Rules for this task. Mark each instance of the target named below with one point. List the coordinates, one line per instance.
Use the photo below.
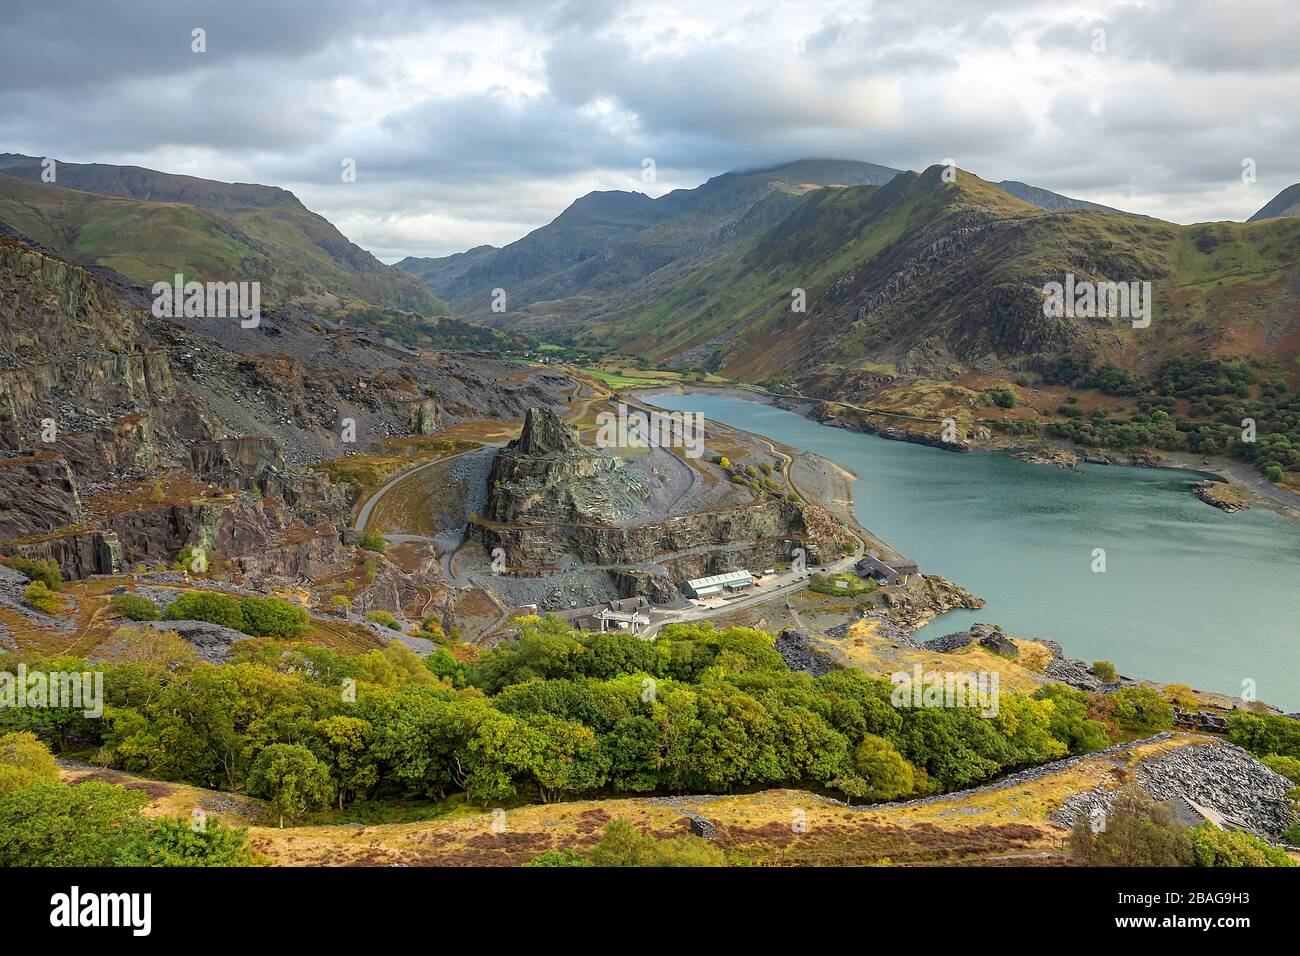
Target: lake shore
(1263, 493)
(838, 481)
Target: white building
(717, 583)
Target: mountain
(149, 225)
(1285, 203)
(1046, 199)
(940, 279)
(153, 417)
(607, 240)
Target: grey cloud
(1187, 92)
(1202, 35)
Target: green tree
(291, 778)
(1142, 710)
(1264, 734)
(346, 743)
(887, 772)
(1069, 721)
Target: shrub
(39, 596)
(51, 824)
(172, 841)
(372, 541)
(273, 617)
(207, 606)
(1215, 847)
(1142, 710)
(1104, 671)
(1288, 767)
(384, 618)
(24, 761)
(559, 858)
(45, 570)
(135, 607)
(190, 558)
(1264, 734)
(1001, 397)
(625, 845)
(1138, 831)
(1181, 696)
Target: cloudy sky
(474, 122)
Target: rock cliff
(546, 475)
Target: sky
(475, 121)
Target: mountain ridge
(221, 231)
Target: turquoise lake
(1190, 594)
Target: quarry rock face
(37, 493)
(546, 475)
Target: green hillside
(149, 226)
(608, 241)
(938, 279)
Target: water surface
(1190, 593)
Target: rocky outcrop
(423, 416)
(795, 646)
(1056, 457)
(1222, 495)
(710, 540)
(241, 461)
(212, 642)
(292, 555)
(919, 604)
(37, 493)
(547, 476)
(658, 588)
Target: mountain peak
(1285, 203)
